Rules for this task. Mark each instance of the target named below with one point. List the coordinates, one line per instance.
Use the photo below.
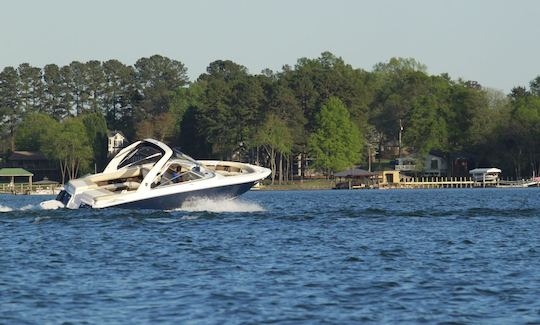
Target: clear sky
(494, 42)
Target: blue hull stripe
(174, 201)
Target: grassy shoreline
(317, 184)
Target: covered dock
(486, 176)
(356, 178)
(12, 173)
(45, 186)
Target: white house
(434, 165)
(116, 141)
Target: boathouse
(11, 174)
(486, 175)
(356, 178)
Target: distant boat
(150, 175)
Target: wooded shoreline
(319, 116)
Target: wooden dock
(457, 182)
(392, 180)
(27, 188)
(434, 182)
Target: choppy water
(403, 256)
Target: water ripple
(337, 257)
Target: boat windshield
(142, 154)
(180, 155)
(181, 168)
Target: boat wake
(220, 205)
(4, 208)
(197, 205)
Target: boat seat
(227, 170)
(228, 173)
(95, 195)
(83, 183)
(106, 192)
(122, 185)
(122, 173)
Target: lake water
(293, 257)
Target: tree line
(321, 110)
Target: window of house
(434, 164)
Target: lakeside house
(436, 164)
(34, 162)
(433, 165)
(116, 141)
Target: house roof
(355, 172)
(27, 155)
(484, 170)
(8, 172)
(46, 181)
(114, 132)
(437, 153)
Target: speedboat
(148, 174)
